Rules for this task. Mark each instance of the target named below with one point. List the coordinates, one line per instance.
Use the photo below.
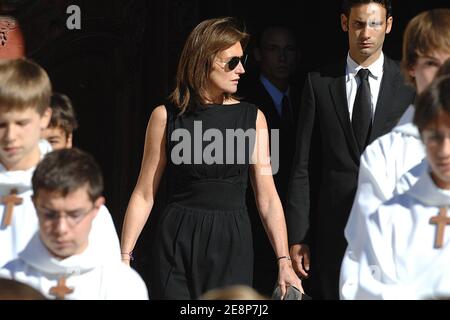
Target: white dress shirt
(352, 82)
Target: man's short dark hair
(66, 171)
(432, 102)
(347, 5)
(275, 25)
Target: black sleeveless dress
(204, 238)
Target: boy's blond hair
(24, 84)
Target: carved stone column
(12, 44)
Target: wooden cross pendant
(9, 202)
(441, 221)
(61, 290)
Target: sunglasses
(234, 62)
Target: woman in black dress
(209, 142)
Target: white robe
(15, 237)
(389, 166)
(89, 275)
(399, 259)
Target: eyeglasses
(234, 62)
(434, 138)
(72, 218)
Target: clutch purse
(292, 294)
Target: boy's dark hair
(24, 84)
(66, 171)
(432, 102)
(347, 5)
(63, 114)
(15, 290)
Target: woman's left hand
(287, 277)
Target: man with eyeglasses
(61, 260)
(406, 250)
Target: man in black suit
(344, 107)
(275, 90)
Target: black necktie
(286, 113)
(362, 111)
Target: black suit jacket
(253, 91)
(325, 168)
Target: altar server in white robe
(407, 251)
(394, 162)
(61, 260)
(25, 92)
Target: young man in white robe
(394, 162)
(61, 260)
(25, 92)
(407, 252)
